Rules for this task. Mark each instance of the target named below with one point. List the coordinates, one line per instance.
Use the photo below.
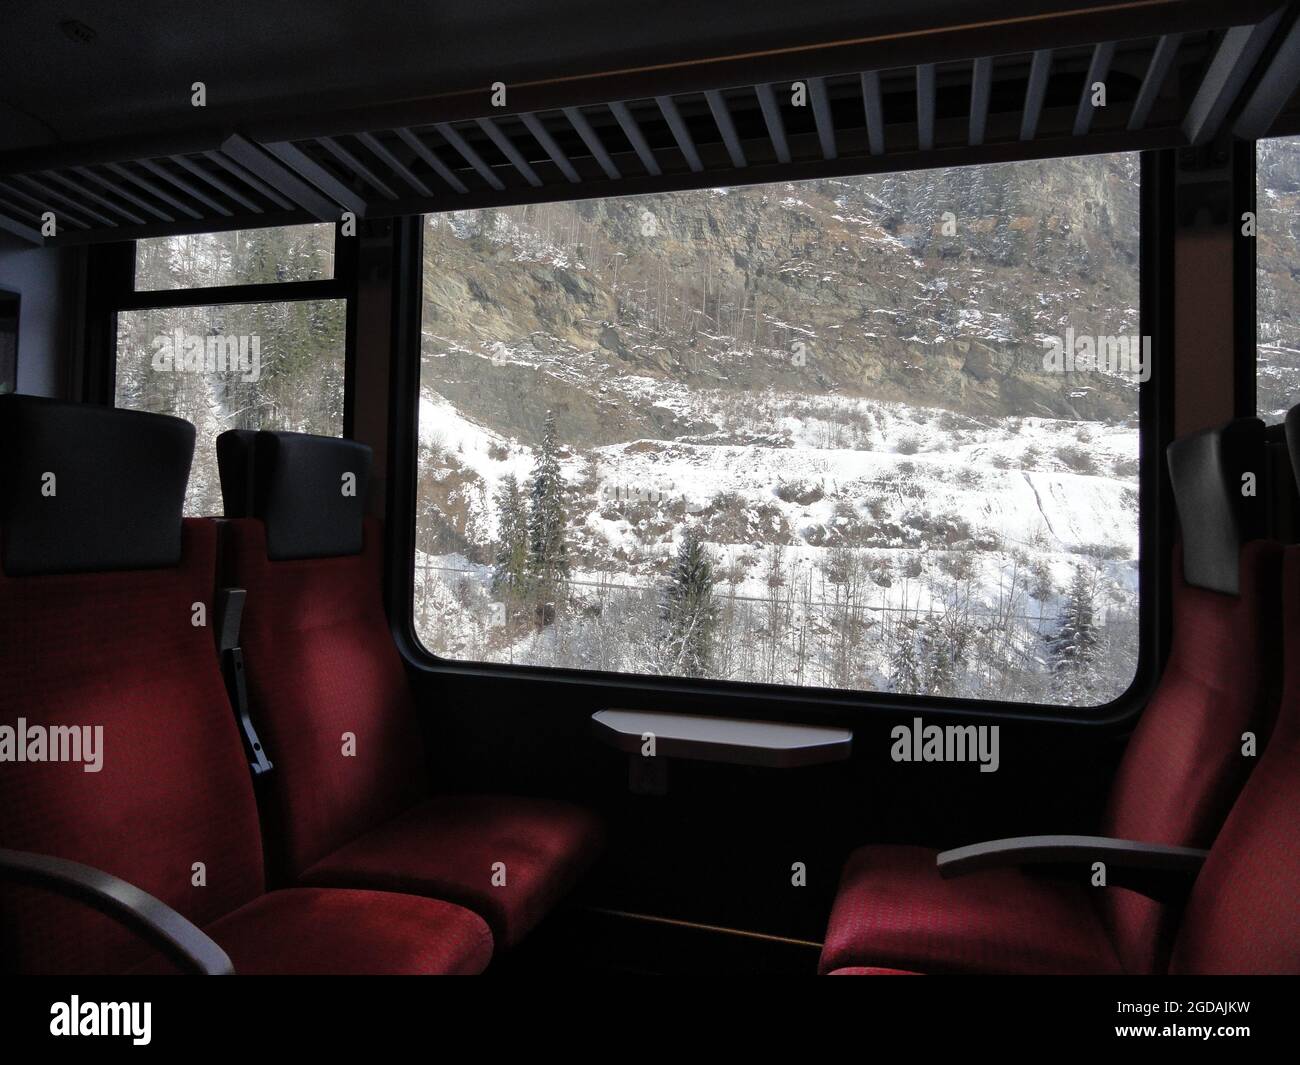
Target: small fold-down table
(714, 739)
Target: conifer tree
(548, 560)
(688, 609)
(938, 663)
(510, 565)
(904, 665)
(1075, 644)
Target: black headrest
(309, 491)
(235, 468)
(1218, 511)
(90, 488)
(1293, 440)
(1282, 500)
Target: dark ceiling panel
(597, 137)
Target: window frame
(813, 704)
(112, 267)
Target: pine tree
(688, 610)
(938, 663)
(548, 560)
(510, 565)
(1076, 643)
(904, 665)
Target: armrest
(1156, 870)
(152, 919)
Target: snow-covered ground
(944, 512)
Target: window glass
(1277, 170)
(235, 257)
(235, 366)
(874, 433)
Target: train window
(1277, 266)
(868, 433)
(236, 257)
(263, 363)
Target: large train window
(276, 361)
(869, 433)
(1277, 266)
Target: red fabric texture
(312, 932)
(1183, 766)
(1180, 773)
(1243, 916)
(894, 910)
(321, 662)
(862, 970)
(448, 847)
(118, 650)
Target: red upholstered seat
(99, 632)
(118, 649)
(320, 663)
(1180, 773)
(316, 932)
(447, 848)
(1243, 915)
(893, 910)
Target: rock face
(935, 288)
(1278, 292)
(837, 387)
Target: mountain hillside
(837, 386)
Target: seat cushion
(448, 848)
(313, 932)
(894, 910)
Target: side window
(271, 363)
(1277, 266)
(874, 433)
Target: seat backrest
(1243, 916)
(327, 689)
(100, 652)
(1184, 764)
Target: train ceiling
(1173, 75)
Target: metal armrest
(1156, 870)
(152, 919)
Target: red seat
(316, 932)
(321, 662)
(1180, 773)
(99, 631)
(446, 848)
(1243, 916)
(999, 921)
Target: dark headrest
(235, 468)
(1282, 500)
(309, 491)
(1216, 518)
(90, 488)
(1293, 440)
